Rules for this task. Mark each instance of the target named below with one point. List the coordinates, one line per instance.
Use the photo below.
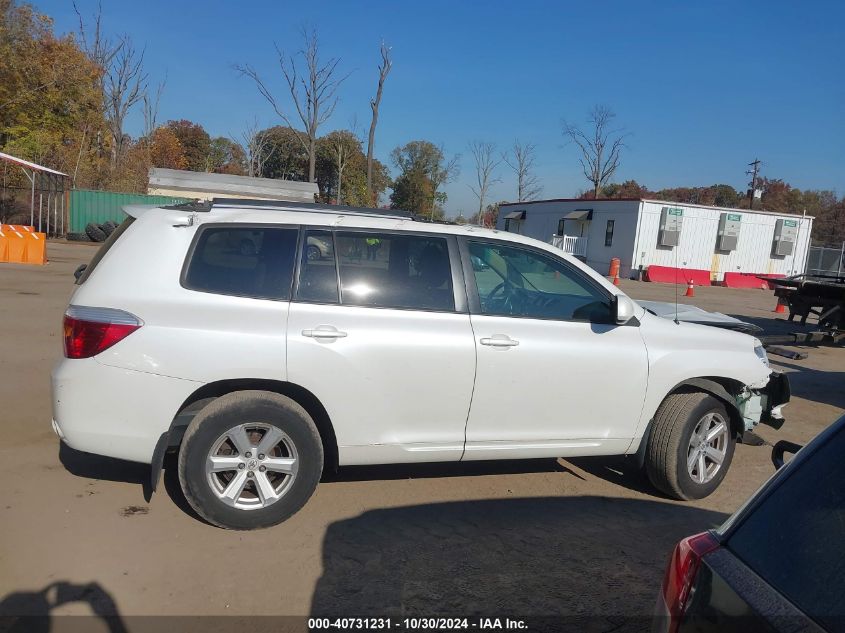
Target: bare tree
(521, 161)
(313, 88)
(485, 163)
(441, 174)
(124, 85)
(383, 72)
(123, 81)
(257, 148)
(600, 146)
(151, 108)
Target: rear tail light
(89, 331)
(681, 573)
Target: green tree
(225, 157)
(286, 155)
(423, 170)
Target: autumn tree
(312, 83)
(195, 141)
(521, 162)
(166, 149)
(49, 103)
(600, 146)
(424, 169)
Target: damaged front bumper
(775, 394)
(763, 404)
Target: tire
(249, 510)
(671, 446)
(95, 233)
(313, 253)
(78, 237)
(108, 227)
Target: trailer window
(608, 233)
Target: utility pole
(755, 169)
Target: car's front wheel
(250, 459)
(691, 445)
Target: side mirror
(79, 270)
(623, 309)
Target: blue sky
(702, 87)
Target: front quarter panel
(679, 352)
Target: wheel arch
(211, 391)
(721, 388)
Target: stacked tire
(99, 232)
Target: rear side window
(795, 540)
(386, 270)
(110, 240)
(245, 261)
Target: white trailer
(643, 233)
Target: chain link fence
(826, 261)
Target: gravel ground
(576, 538)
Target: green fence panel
(101, 206)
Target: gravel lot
(569, 538)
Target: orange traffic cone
(690, 289)
(616, 280)
(780, 308)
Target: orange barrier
(22, 245)
(20, 228)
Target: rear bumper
(776, 394)
(114, 412)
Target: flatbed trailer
(820, 295)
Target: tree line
(64, 101)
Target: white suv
(218, 332)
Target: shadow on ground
(32, 611)
(593, 557)
(93, 466)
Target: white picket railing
(571, 244)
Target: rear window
(110, 240)
(244, 261)
(795, 540)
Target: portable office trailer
(643, 233)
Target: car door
(555, 375)
(379, 332)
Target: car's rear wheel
(250, 459)
(691, 445)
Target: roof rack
(312, 207)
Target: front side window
(243, 261)
(388, 270)
(518, 282)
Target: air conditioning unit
(786, 234)
(671, 221)
(728, 236)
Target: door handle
(499, 340)
(324, 331)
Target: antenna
(675, 248)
